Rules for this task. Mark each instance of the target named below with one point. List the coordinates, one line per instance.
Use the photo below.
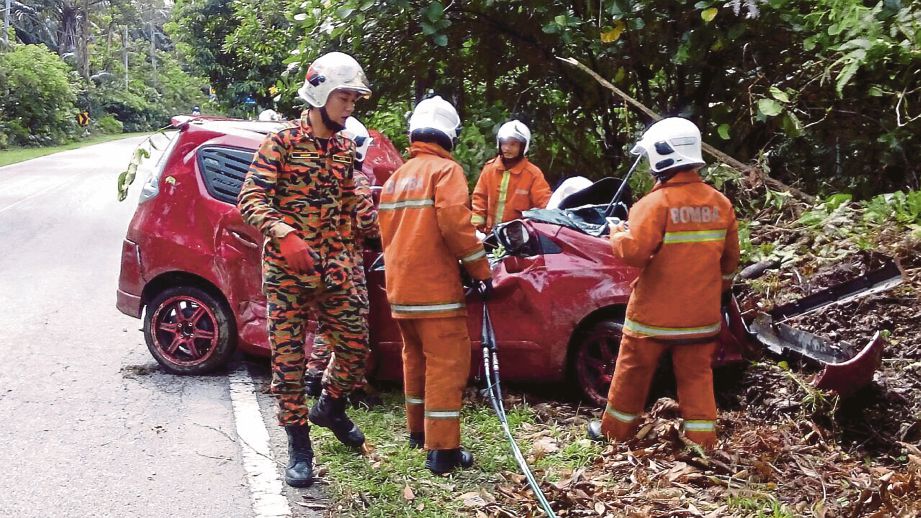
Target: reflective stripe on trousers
(671, 332)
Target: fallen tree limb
(753, 175)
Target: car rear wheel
(594, 357)
(189, 331)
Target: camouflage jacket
(294, 185)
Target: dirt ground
(786, 449)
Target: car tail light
(152, 185)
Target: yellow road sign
(83, 119)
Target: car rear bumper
(129, 304)
(130, 282)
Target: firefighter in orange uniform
(509, 184)
(427, 236)
(683, 236)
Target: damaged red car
(191, 269)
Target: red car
(192, 268)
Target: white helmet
(437, 115)
(517, 130)
(669, 144)
(269, 115)
(330, 72)
(357, 132)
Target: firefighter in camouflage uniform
(300, 193)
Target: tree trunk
(107, 65)
(83, 52)
(67, 31)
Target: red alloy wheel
(185, 331)
(190, 330)
(595, 356)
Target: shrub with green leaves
(37, 97)
(109, 124)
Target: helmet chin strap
(329, 123)
(664, 176)
(511, 162)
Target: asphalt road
(89, 425)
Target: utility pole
(6, 25)
(125, 52)
(153, 48)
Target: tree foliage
(37, 97)
(89, 47)
(826, 93)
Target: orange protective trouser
(636, 365)
(436, 364)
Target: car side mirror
(515, 237)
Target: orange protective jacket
(503, 194)
(684, 236)
(426, 231)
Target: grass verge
(20, 154)
(393, 482)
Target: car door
(237, 245)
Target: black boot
(300, 456)
(595, 433)
(330, 413)
(443, 461)
(360, 398)
(313, 384)
(416, 440)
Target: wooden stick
(750, 171)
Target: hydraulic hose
(491, 371)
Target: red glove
(296, 253)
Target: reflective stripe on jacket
(503, 194)
(684, 237)
(427, 235)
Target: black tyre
(189, 331)
(593, 356)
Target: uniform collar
(682, 177)
(428, 148)
(305, 129)
(305, 132)
(516, 169)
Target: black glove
(726, 298)
(373, 244)
(484, 288)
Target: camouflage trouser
(341, 312)
(322, 351)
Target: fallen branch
(754, 175)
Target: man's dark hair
(432, 136)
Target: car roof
(252, 130)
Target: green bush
(36, 96)
(130, 107)
(109, 124)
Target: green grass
(373, 486)
(759, 505)
(21, 154)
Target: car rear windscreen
(223, 170)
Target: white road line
(264, 484)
